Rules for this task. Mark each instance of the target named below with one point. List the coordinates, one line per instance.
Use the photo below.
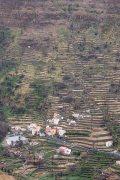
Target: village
(17, 140)
(52, 129)
(59, 90)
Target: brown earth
(4, 176)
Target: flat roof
(15, 138)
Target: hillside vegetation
(62, 56)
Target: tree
(34, 159)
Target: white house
(48, 130)
(31, 126)
(81, 116)
(72, 123)
(36, 130)
(61, 132)
(54, 121)
(75, 115)
(86, 116)
(117, 163)
(56, 115)
(109, 143)
(58, 128)
(88, 110)
(56, 118)
(64, 150)
(42, 134)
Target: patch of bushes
(68, 99)
(77, 133)
(4, 128)
(59, 86)
(76, 153)
(4, 36)
(6, 87)
(18, 110)
(41, 89)
(114, 88)
(66, 78)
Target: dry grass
(4, 176)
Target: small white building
(81, 116)
(56, 115)
(42, 134)
(34, 129)
(56, 118)
(13, 139)
(31, 126)
(64, 150)
(75, 115)
(117, 163)
(48, 130)
(54, 121)
(16, 128)
(109, 143)
(88, 110)
(86, 116)
(23, 129)
(61, 132)
(72, 123)
(58, 128)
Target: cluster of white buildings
(18, 129)
(35, 129)
(51, 129)
(55, 130)
(55, 120)
(81, 116)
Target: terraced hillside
(63, 56)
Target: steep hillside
(62, 56)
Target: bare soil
(4, 176)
